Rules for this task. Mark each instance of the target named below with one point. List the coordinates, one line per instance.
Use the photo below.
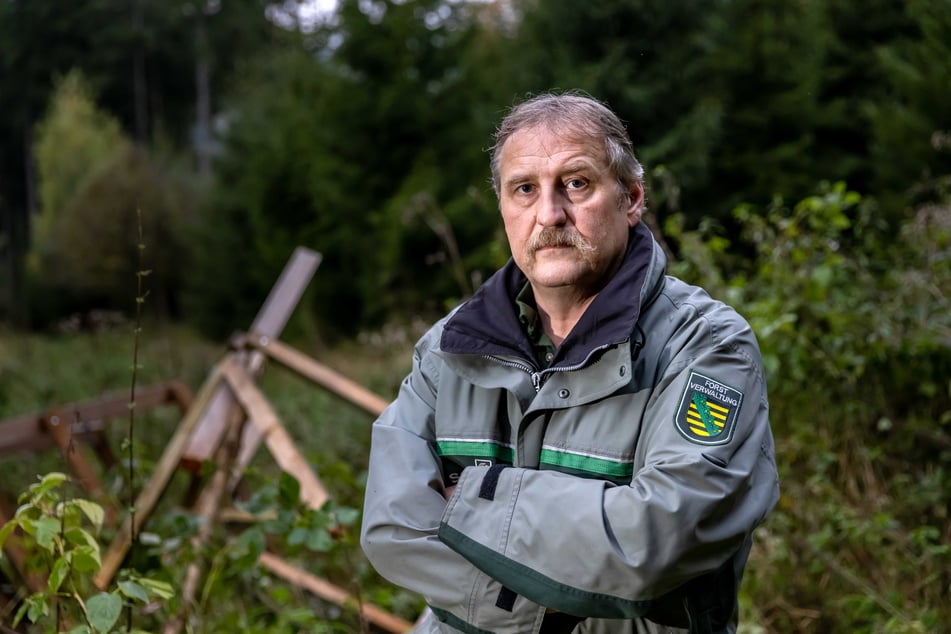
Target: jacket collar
(487, 324)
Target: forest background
(798, 161)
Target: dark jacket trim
(539, 588)
(487, 324)
(456, 622)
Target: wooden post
(57, 425)
(206, 509)
(329, 592)
(310, 369)
(319, 373)
(150, 495)
(280, 444)
(270, 320)
(29, 432)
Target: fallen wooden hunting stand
(225, 422)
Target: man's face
(565, 216)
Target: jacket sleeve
(594, 549)
(403, 504)
(404, 496)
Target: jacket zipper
(537, 377)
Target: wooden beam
(27, 432)
(318, 373)
(335, 594)
(158, 481)
(206, 511)
(72, 449)
(280, 444)
(270, 320)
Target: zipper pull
(537, 381)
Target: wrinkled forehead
(556, 136)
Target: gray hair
(578, 114)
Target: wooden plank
(263, 417)
(335, 594)
(159, 479)
(72, 450)
(27, 432)
(270, 320)
(318, 373)
(206, 511)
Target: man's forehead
(551, 142)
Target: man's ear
(634, 204)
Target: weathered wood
(279, 443)
(318, 373)
(335, 594)
(57, 426)
(27, 432)
(206, 510)
(158, 481)
(270, 320)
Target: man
(584, 444)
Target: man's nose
(552, 207)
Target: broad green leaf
(347, 516)
(248, 547)
(133, 590)
(79, 537)
(298, 536)
(58, 574)
(288, 490)
(48, 482)
(28, 524)
(5, 531)
(80, 629)
(92, 510)
(86, 559)
(319, 540)
(160, 589)
(27, 510)
(33, 607)
(68, 514)
(47, 528)
(103, 611)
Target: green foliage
(103, 219)
(337, 152)
(94, 185)
(240, 594)
(854, 326)
(74, 139)
(300, 528)
(55, 532)
(912, 121)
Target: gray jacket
(615, 491)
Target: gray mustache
(554, 237)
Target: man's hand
(447, 493)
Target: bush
(854, 324)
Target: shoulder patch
(708, 410)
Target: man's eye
(524, 188)
(576, 183)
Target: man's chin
(555, 276)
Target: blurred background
(798, 159)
